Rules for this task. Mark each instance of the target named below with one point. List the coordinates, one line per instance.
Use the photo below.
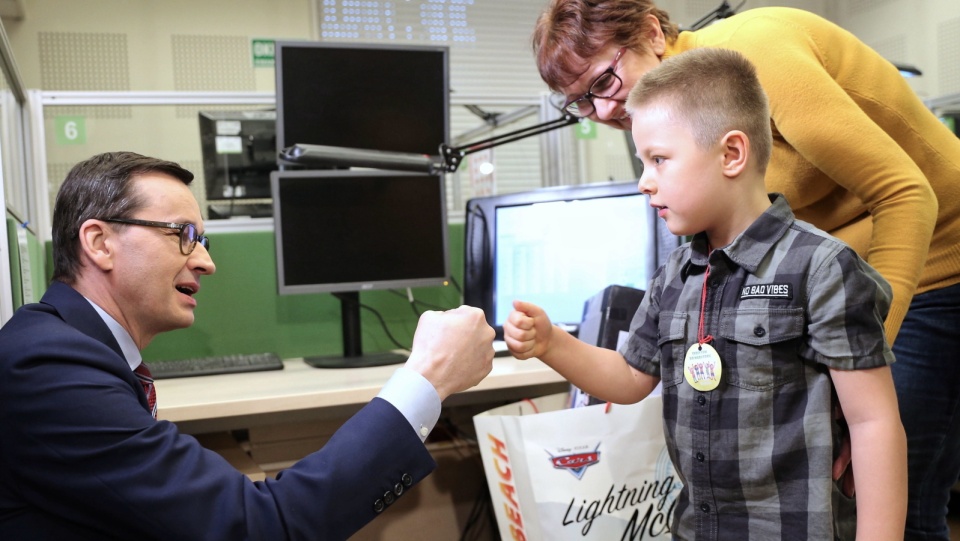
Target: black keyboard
(220, 364)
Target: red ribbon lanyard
(701, 339)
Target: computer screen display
(557, 247)
(376, 97)
(348, 231)
(351, 230)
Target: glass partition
(77, 125)
(177, 126)
(12, 139)
(15, 196)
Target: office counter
(301, 393)
(285, 414)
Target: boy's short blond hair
(715, 91)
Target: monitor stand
(353, 356)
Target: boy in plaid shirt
(757, 329)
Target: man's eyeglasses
(189, 237)
(606, 85)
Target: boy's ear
(736, 152)
(96, 244)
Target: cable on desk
(481, 513)
(415, 302)
(456, 285)
(385, 328)
(383, 324)
(482, 509)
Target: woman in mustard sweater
(856, 153)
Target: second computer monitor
(557, 247)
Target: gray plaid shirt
(785, 302)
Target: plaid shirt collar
(750, 246)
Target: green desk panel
(38, 272)
(239, 310)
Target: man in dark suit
(81, 454)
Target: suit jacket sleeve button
(388, 497)
(398, 489)
(378, 506)
(407, 480)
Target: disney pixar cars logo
(575, 461)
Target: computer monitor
(362, 96)
(347, 231)
(239, 152)
(556, 247)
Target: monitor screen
(557, 247)
(347, 231)
(375, 97)
(351, 230)
(239, 152)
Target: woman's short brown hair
(569, 33)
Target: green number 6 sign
(71, 130)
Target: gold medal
(701, 367)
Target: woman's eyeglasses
(606, 85)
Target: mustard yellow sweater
(856, 153)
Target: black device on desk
(609, 313)
(219, 364)
(606, 316)
(238, 150)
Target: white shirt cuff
(415, 398)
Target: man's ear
(736, 152)
(97, 244)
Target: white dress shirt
(407, 390)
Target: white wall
(186, 45)
(924, 33)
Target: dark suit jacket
(82, 458)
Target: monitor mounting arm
(452, 156)
(721, 12)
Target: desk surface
(230, 401)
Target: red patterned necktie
(146, 379)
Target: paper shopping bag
(590, 473)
